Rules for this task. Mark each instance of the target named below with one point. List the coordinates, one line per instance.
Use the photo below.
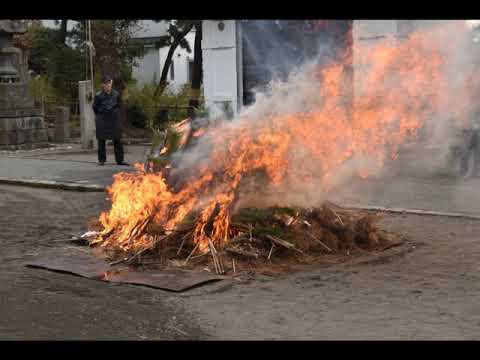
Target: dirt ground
(431, 292)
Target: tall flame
(300, 135)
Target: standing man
(106, 107)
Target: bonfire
(229, 201)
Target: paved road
(42, 305)
(432, 292)
(405, 186)
(432, 194)
(78, 168)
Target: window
(172, 71)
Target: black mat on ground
(78, 264)
(92, 267)
(173, 280)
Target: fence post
(62, 124)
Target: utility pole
(88, 50)
(86, 89)
(88, 30)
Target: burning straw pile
(272, 238)
(299, 140)
(160, 220)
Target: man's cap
(106, 78)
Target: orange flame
(402, 85)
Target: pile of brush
(264, 238)
(256, 237)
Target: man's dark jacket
(107, 115)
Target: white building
(222, 64)
(149, 67)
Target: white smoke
(302, 93)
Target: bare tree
(177, 31)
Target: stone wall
(15, 96)
(21, 125)
(22, 129)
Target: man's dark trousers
(117, 148)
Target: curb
(48, 184)
(411, 211)
(60, 151)
(71, 152)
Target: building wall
(371, 32)
(221, 66)
(149, 68)
(150, 28)
(366, 33)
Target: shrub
(136, 116)
(41, 88)
(158, 112)
(74, 121)
(46, 96)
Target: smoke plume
(313, 132)
(410, 91)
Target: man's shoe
(123, 163)
(101, 163)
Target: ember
(297, 140)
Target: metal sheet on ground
(173, 280)
(96, 268)
(78, 264)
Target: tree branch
(163, 78)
